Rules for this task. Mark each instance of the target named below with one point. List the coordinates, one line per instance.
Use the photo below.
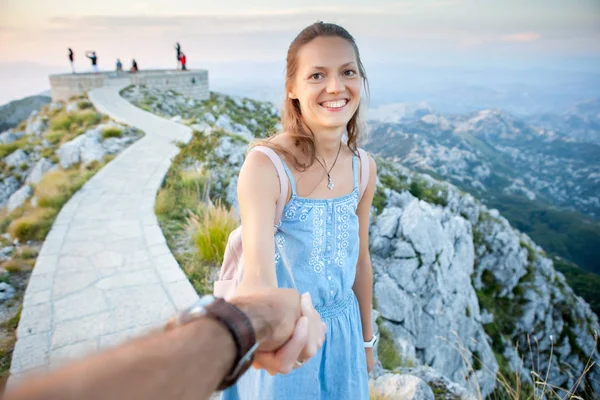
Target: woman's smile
(334, 105)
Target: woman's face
(327, 83)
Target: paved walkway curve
(105, 272)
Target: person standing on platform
(71, 60)
(92, 56)
(119, 65)
(178, 49)
(134, 66)
(183, 60)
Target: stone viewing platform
(191, 83)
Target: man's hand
(273, 313)
(288, 327)
(307, 339)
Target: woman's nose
(335, 85)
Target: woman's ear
(292, 96)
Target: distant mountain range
(11, 114)
(548, 163)
(581, 122)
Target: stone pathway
(105, 272)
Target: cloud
(520, 37)
(443, 3)
(473, 41)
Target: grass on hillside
(510, 385)
(112, 132)
(388, 354)
(53, 191)
(66, 126)
(211, 230)
(196, 232)
(419, 188)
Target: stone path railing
(105, 272)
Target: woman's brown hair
(291, 116)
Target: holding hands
(294, 331)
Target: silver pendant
(330, 184)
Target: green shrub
(26, 253)
(84, 104)
(47, 152)
(112, 131)
(387, 352)
(34, 225)
(54, 189)
(7, 342)
(8, 148)
(165, 202)
(62, 122)
(212, 229)
(75, 122)
(12, 266)
(379, 199)
(58, 186)
(87, 118)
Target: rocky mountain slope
(11, 114)
(460, 293)
(457, 275)
(545, 183)
(581, 122)
(494, 153)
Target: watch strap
(371, 342)
(240, 327)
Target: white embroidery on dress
(343, 212)
(279, 242)
(291, 212)
(316, 260)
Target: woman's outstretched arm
(258, 192)
(363, 283)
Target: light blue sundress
(319, 239)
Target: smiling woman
(321, 245)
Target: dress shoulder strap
(364, 171)
(283, 182)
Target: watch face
(201, 304)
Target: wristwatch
(371, 342)
(236, 322)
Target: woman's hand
(307, 339)
(370, 359)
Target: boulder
(72, 107)
(402, 387)
(7, 187)
(55, 106)
(18, 198)
(225, 122)
(38, 171)
(7, 292)
(84, 148)
(116, 145)
(36, 124)
(5, 253)
(16, 158)
(9, 136)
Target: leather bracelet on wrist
(237, 323)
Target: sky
(241, 39)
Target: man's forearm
(185, 363)
(363, 289)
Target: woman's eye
(349, 72)
(316, 76)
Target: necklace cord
(330, 183)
